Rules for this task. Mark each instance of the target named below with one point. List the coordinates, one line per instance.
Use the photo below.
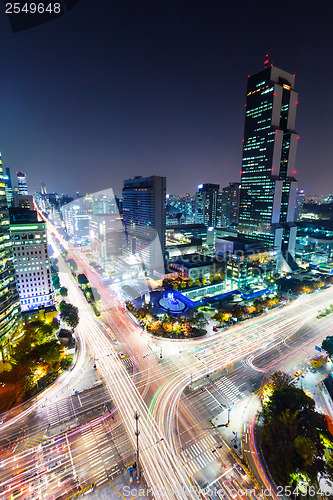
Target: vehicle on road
(240, 470)
(121, 354)
(298, 373)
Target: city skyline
(164, 97)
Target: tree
(63, 291)
(69, 314)
(50, 353)
(190, 283)
(280, 379)
(306, 448)
(318, 362)
(55, 281)
(327, 345)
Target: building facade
(8, 187)
(230, 204)
(144, 221)
(22, 183)
(31, 259)
(268, 185)
(208, 205)
(9, 299)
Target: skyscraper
(31, 258)
(230, 203)
(9, 300)
(144, 220)
(8, 187)
(22, 183)
(208, 205)
(268, 186)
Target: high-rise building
(43, 189)
(208, 205)
(300, 199)
(144, 220)
(9, 299)
(8, 187)
(22, 183)
(268, 186)
(230, 204)
(31, 259)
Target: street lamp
(137, 432)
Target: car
(66, 479)
(240, 470)
(121, 354)
(298, 373)
(54, 465)
(17, 493)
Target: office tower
(268, 186)
(43, 189)
(76, 216)
(300, 199)
(230, 204)
(8, 187)
(208, 205)
(9, 300)
(144, 220)
(22, 183)
(31, 259)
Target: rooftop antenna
(266, 63)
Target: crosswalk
(229, 389)
(128, 364)
(89, 436)
(199, 454)
(59, 412)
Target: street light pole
(137, 432)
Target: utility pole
(137, 432)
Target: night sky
(115, 89)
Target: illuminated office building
(230, 204)
(268, 186)
(144, 221)
(208, 205)
(31, 259)
(8, 187)
(9, 299)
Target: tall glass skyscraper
(268, 186)
(9, 299)
(22, 183)
(144, 220)
(208, 205)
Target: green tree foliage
(55, 281)
(69, 314)
(63, 291)
(292, 435)
(327, 345)
(49, 353)
(280, 379)
(306, 449)
(83, 280)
